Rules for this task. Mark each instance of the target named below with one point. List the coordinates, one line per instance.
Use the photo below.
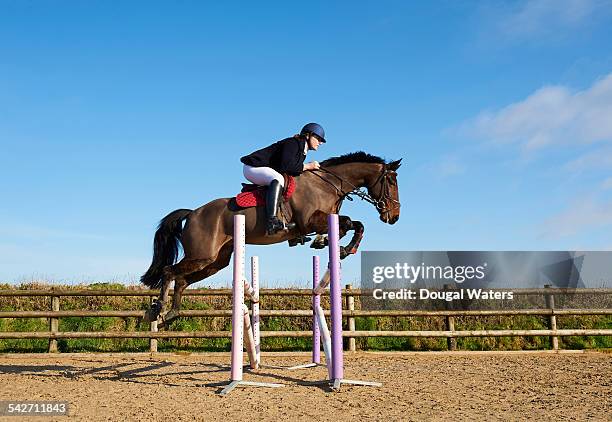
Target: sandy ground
(426, 386)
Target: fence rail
(350, 314)
(307, 313)
(347, 334)
(263, 292)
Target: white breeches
(262, 175)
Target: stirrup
(275, 225)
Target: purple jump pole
(335, 297)
(316, 321)
(316, 303)
(335, 292)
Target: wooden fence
(350, 313)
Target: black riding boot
(273, 196)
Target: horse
(207, 235)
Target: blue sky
(113, 114)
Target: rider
(264, 167)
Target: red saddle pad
(256, 196)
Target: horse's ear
(394, 165)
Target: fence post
(550, 304)
(153, 328)
(350, 305)
(449, 322)
(54, 324)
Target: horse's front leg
(357, 227)
(353, 245)
(345, 225)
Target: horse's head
(352, 172)
(384, 191)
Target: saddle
(253, 195)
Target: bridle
(380, 203)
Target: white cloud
(549, 17)
(449, 166)
(601, 158)
(559, 120)
(607, 184)
(445, 166)
(551, 115)
(584, 214)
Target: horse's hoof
(161, 323)
(300, 240)
(168, 317)
(320, 242)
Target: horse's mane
(353, 157)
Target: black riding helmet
(315, 129)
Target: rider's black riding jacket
(285, 156)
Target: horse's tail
(165, 247)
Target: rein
(360, 192)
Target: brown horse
(207, 235)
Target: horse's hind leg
(178, 272)
(179, 285)
(158, 304)
(222, 261)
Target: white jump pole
(249, 340)
(326, 340)
(255, 306)
(251, 331)
(316, 303)
(238, 315)
(319, 289)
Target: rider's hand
(314, 165)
